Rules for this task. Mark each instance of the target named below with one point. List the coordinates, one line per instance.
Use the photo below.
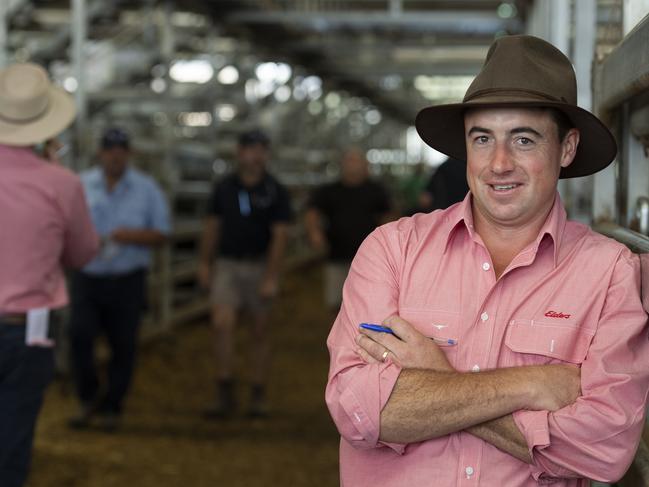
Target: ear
(569, 147)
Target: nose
(501, 161)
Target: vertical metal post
(558, 28)
(4, 28)
(583, 54)
(79, 33)
(634, 11)
(584, 49)
(396, 7)
(167, 46)
(559, 23)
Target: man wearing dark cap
(131, 216)
(518, 352)
(246, 230)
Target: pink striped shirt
(572, 296)
(44, 225)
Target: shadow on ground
(164, 442)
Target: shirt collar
(18, 153)
(125, 181)
(461, 216)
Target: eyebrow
(517, 130)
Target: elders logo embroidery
(557, 314)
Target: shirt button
(469, 471)
(484, 316)
(475, 368)
(486, 266)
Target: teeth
(502, 187)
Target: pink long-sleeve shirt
(571, 297)
(44, 225)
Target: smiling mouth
(504, 187)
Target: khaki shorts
(335, 275)
(236, 283)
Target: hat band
(26, 120)
(522, 95)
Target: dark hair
(564, 124)
(254, 137)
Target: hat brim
(59, 115)
(442, 128)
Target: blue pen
(379, 328)
(385, 329)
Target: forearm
(313, 225)
(138, 236)
(209, 241)
(504, 435)
(428, 404)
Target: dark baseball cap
(115, 137)
(253, 137)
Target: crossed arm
(480, 403)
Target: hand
(318, 242)
(411, 350)
(557, 386)
(52, 150)
(268, 287)
(204, 275)
(121, 235)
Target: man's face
(514, 157)
(253, 158)
(114, 160)
(354, 167)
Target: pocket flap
(567, 343)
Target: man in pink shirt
(45, 225)
(519, 353)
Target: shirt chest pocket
(438, 325)
(530, 342)
(132, 213)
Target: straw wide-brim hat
(522, 72)
(32, 110)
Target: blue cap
(115, 137)
(253, 137)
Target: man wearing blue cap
(131, 215)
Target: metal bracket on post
(640, 127)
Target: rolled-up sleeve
(158, 211)
(597, 436)
(356, 391)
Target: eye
(481, 139)
(525, 141)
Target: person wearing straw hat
(516, 348)
(46, 226)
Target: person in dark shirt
(340, 215)
(246, 229)
(446, 187)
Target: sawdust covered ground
(165, 443)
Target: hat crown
(525, 67)
(23, 92)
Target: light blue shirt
(135, 202)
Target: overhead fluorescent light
(191, 71)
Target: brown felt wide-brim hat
(522, 72)
(32, 109)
